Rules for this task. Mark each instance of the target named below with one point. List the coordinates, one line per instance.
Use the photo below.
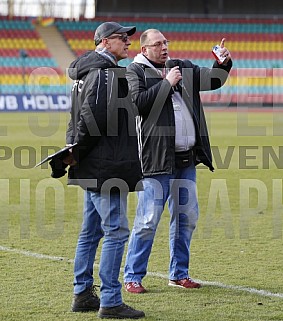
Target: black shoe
(122, 311)
(86, 301)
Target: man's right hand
(69, 160)
(174, 76)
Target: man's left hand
(224, 51)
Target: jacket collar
(106, 54)
(141, 59)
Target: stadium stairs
(57, 45)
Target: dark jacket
(103, 124)
(156, 127)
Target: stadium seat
(17, 35)
(255, 45)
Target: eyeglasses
(159, 44)
(124, 37)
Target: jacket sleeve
(215, 77)
(93, 115)
(143, 97)
(74, 113)
(70, 133)
(203, 78)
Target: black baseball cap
(106, 29)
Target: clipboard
(61, 154)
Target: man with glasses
(104, 162)
(173, 139)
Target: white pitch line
(225, 286)
(153, 274)
(36, 255)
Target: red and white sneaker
(184, 283)
(134, 287)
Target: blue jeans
(104, 215)
(180, 191)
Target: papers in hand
(61, 154)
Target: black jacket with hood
(103, 126)
(151, 94)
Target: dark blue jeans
(104, 216)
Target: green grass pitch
(236, 250)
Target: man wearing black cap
(104, 162)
